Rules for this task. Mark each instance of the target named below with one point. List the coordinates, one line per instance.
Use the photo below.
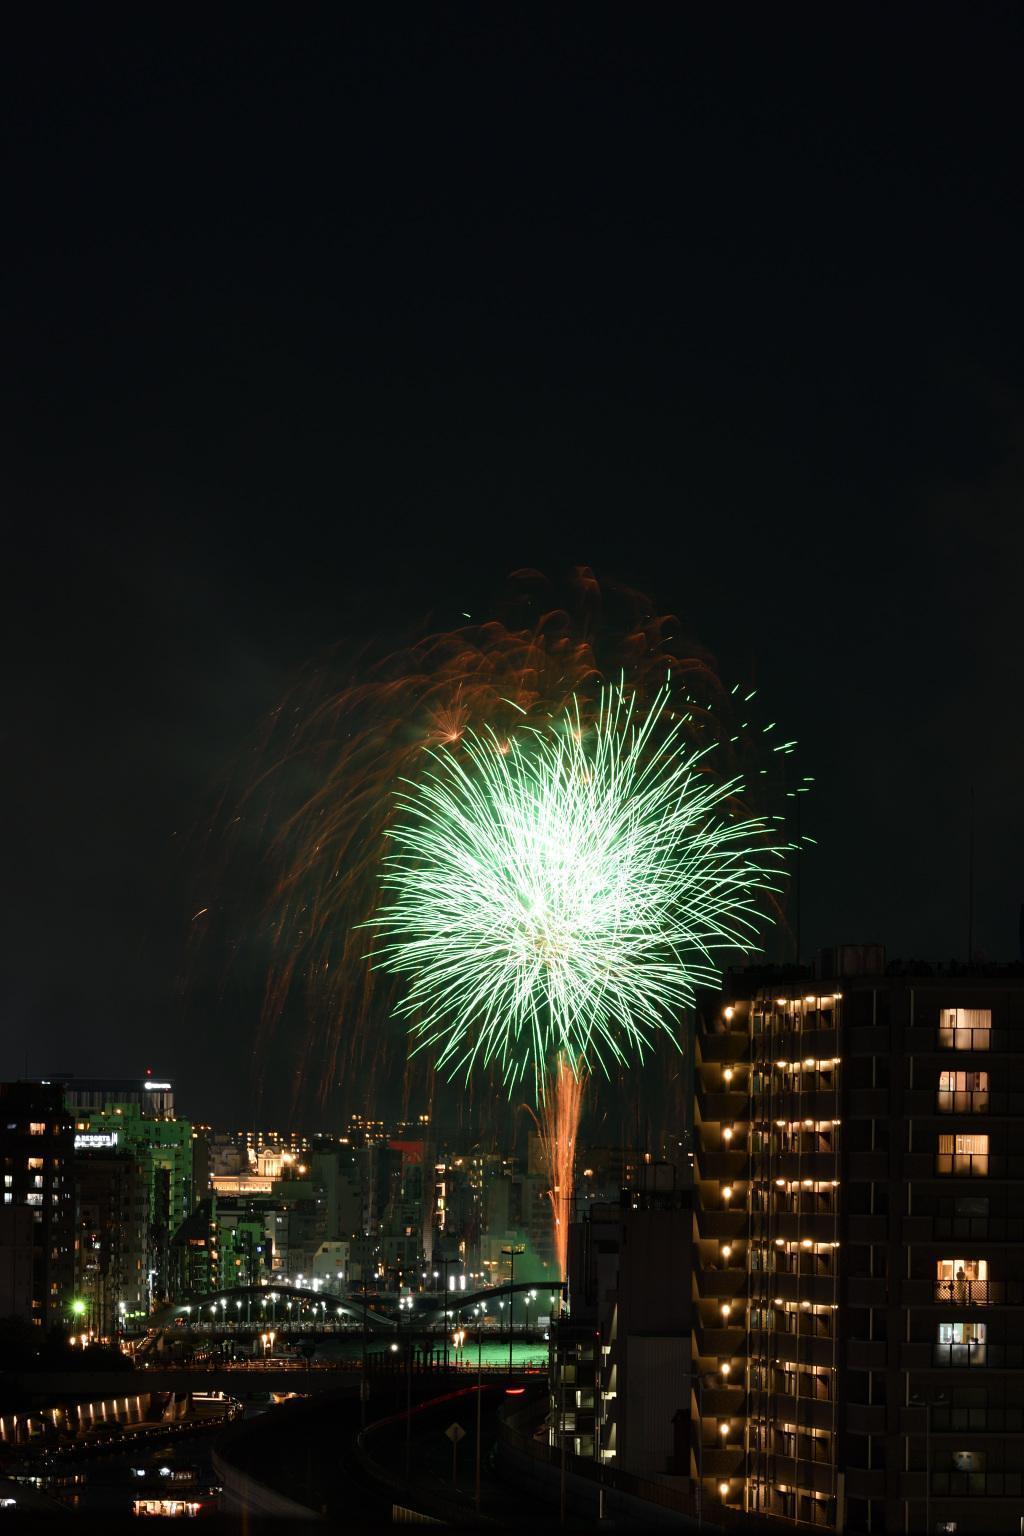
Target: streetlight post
(444, 1263)
(479, 1400)
(512, 1249)
(364, 1385)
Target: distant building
(620, 1362)
(151, 1096)
(163, 1147)
(194, 1259)
(36, 1144)
(330, 1262)
(112, 1230)
(244, 1254)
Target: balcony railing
(963, 1039)
(964, 1165)
(962, 1101)
(967, 1356)
(993, 1485)
(968, 1293)
(991, 1229)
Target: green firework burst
(564, 892)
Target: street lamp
(445, 1263)
(512, 1249)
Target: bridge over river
(252, 1310)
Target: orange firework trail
(558, 1124)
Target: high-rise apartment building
(36, 1163)
(859, 1171)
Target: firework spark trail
(555, 897)
(557, 1123)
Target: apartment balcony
(864, 1291)
(725, 1166)
(724, 1281)
(786, 1408)
(720, 1462)
(722, 1402)
(973, 1356)
(818, 1104)
(868, 1354)
(869, 1104)
(723, 1222)
(822, 1228)
(868, 1229)
(719, 1343)
(798, 1045)
(812, 1476)
(820, 1289)
(807, 1165)
(865, 1418)
(717, 1106)
(914, 1229)
(727, 1047)
(868, 1040)
(793, 1348)
(963, 1293)
(865, 1483)
(869, 1167)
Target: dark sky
(312, 330)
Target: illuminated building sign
(85, 1140)
(152, 1087)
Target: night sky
(313, 332)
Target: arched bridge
(258, 1307)
(297, 1309)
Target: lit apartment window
(964, 1281)
(33, 1164)
(963, 1155)
(33, 1198)
(963, 1093)
(37, 1128)
(960, 1344)
(965, 1029)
